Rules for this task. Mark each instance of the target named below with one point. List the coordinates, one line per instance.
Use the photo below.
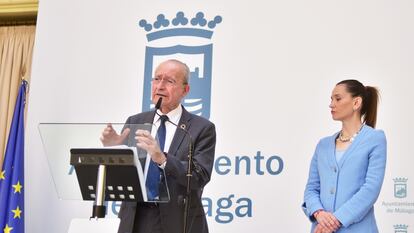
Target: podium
(83, 169)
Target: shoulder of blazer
(187, 117)
(328, 140)
(369, 131)
(375, 134)
(141, 118)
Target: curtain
(16, 48)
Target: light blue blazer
(350, 187)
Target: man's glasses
(167, 81)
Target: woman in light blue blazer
(347, 168)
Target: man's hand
(327, 221)
(148, 143)
(109, 136)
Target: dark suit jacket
(203, 134)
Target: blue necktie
(153, 175)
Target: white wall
(274, 65)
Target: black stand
(187, 199)
(107, 174)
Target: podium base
(101, 225)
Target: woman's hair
(369, 95)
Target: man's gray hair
(186, 69)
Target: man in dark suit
(170, 83)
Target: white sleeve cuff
(162, 166)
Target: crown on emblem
(400, 227)
(400, 180)
(178, 26)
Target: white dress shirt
(173, 116)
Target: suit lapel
(331, 150)
(179, 135)
(353, 145)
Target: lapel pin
(182, 126)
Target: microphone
(182, 127)
(158, 105)
(187, 199)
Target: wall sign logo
(400, 228)
(400, 187)
(196, 30)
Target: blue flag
(12, 172)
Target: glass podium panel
(75, 153)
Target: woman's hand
(320, 229)
(327, 221)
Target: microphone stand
(189, 173)
(187, 199)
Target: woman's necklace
(342, 138)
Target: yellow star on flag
(7, 229)
(17, 187)
(17, 212)
(2, 177)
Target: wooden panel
(10, 8)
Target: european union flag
(12, 173)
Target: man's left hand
(148, 143)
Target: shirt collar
(174, 115)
